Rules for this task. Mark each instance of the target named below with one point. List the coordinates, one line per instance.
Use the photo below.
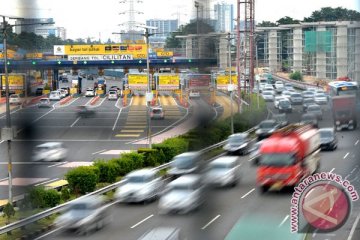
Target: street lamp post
(231, 85)
(197, 5)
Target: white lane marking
(245, 195)
(346, 155)
(117, 103)
(354, 227)
(2, 141)
(11, 112)
(88, 102)
(117, 119)
(134, 226)
(208, 224)
(284, 220)
(332, 170)
(57, 164)
(356, 143)
(99, 152)
(42, 183)
(75, 122)
(42, 116)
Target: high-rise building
(59, 32)
(31, 28)
(224, 16)
(164, 28)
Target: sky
(94, 19)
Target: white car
(141, 186)
(62, 93)
(51, 151)
(223, 171)
(277, 100)
(286, 94)
(279, 84)
(194, 94)
(113, 95)
(268, 95)
(15, 99)
(182, 195)
(89, 92)
(320, 98)
(44, 102)
(311, 89)
(55, 95)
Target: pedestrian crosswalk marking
(131, 131)
(127, 135)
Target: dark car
(328, 139)
(84, 111)
(90, 77)
(266, 128)
(284, 106)
(238, 144)
(307, 102)
(67, 90)
(281, 119)
(309, 118)
(39, 91)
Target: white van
(55, 95)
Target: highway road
(224, 207)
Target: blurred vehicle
(51, 151)
(307, 94)
(238, 143)
(89, 92)
(90, 77)
(320, 98)
(266, 128)
(316, 110)
(285, 106)
(157, 113)
(182, 195)
(117, 89)
(163, 233)
(39, 91)
(255, 153)
(44, 102)
(113, 95)
(64, 78)
(141, 186)
(185, 163)
(328, 139)
(268, 96)
(62, 93)
(67, 90)
(84, 215)
(279, 90)
(287, 157)
(223, 171)
(281, 119)
(286, 94)
(311, 89)
(55, 95)
(296, 98)
(288, 86)
(344, 112)
(269, 87)
(279, 84)
(307, 102)
(309, 118)
(277, 99)
(15, 99)
(84, 111)
(194, 94)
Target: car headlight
(227, 146)
(337, 122)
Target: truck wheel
(262, 189)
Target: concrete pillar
(223, 53)
(298, 49)
(341, 51)
(189, 47)
(320, 59)
(273, 51)
(357, 56)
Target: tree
(266, 24)
(333, 14)
(8, 211)
(287, 20)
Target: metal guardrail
(26, 221)
(298, 84)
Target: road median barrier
(94, 100)
(65, 100)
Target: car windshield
(267, 93)
(137, 179)
(320, 95)
(182, 187)
(277, 159)
(44, 101)
(267, 124)
(284, 103)
(309, 100)
(112, 92)
(236, 139)
(156, 111)
(14, 96)
(219, 166)
(183, 162)
(313, 108)
(295, 95)
(308, 117)
(343, 114)
(326, 134)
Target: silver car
(141, 186)
(296, 98)
(316, 110)
(307, 94)
(268, 95)
(238, 143)
(44, 102)
(185, 163)
(51, 151)
(113, 95)
(223, 171)
(182, 195)
(157, 113)
(320, 98)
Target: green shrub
(65, 194)
(296, 76)
(179, 143)
(8, 211)
(83, 179)
(51, 198)
(107, 171)
(37, 197)
(128, 162)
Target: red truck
(344, 112)
(287, 156)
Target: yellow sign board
(136, 50)
(16, 82)
(33, 55)
(137, 79)
(225, 79)
(169, 80)
(9, 55)
(165, 54)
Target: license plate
(277, 185)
